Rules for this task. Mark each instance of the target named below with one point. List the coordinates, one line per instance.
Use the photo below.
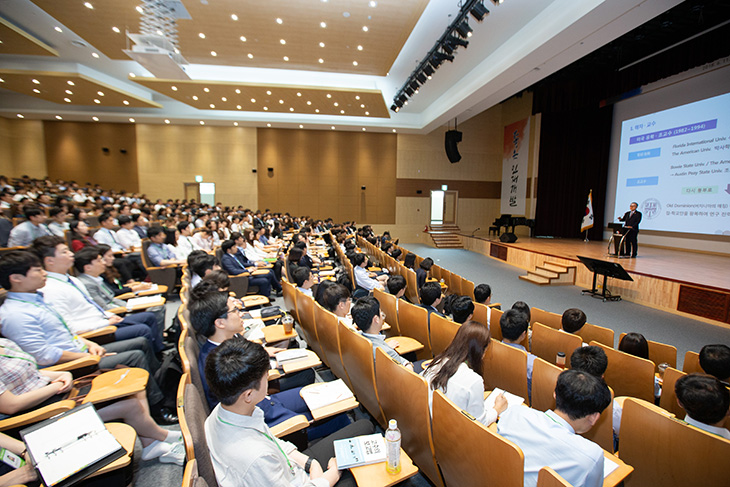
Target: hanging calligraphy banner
(514, 167)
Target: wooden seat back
(412, 286)
(463, 464)
(389, 306)
(327, 332)
(692, 363)
(413, 322)
(358, 359)
(628, 375)
(590, 333)
(547, 318)
(290, 299)
(195, 412)
(668, 400)
(191, 477)
(659, 352)
(495, 329)
(443, 331)
(602, 432)
(305, 311)
(436, 272)
(547, 342)
(544, 377)
(668, 452)
(192, 349)
(505, 367)
(454, 283)
(547, 477)
(394, 382)
(467, 288)
(182, 421)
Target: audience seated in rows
(715, 360)
(369, 320)
(514, 325)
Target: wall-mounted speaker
(453, 137)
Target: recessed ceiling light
(282, 42)
(238, 106)
(253, 100)
(250, 56)
(359, 48)
(299, 94)
(35, 81)
(20, 115)
(362, 106)
(286, 58)
(235, 124)
(316, 110)
(69, 92)
(243, 38)
(195, 97)
(202, 123)
(367, 113)
(201, 35)
(116, 29)
(132, 75)
(393, 130)
(238, 91)
(36, 90)
(70, 83)
(301, 126)
(212, 106)
(2, 80)
(59, 117)
(342, 112)
(357, 97)
(279, 21)
(57, 29)
(365, 28)
(291, 109)
(354, 63)
(268, 125)
(321, 60)
(100, 93)
(309, 102)
(323, 25)
(373, 3)
(67, 100)
(125, 102)
(337, 104)
(96, 55)
(132, 120)
(266, 109)
(281, 102)
(234, 17)
(332, 127)
(321, 44)
(139, 9)
(364, 129)
(268, 92)
(95, 119)
(213, 53)
(223, 98)
(206, 89)
(88, 5)
(167, 121)
(173, 88)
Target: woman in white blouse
(457, 372)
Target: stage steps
(551, 273)
(445, 236)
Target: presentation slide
(676, 165)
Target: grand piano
(509, 222)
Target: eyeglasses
(229, 311)
(382, 316)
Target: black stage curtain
(574, 149)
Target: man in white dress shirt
(23, 234)
(552, 438)
(127, 237)
(706, 401)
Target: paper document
(512, 400)
(325, 393)
(326, 273)
(608, 466)
(291, 355)
(360, 450)
(143, 300)
(151, 289)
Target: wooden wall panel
(22, 149)
(320, 174)
(74, 151)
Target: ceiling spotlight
(281, 102)
(364, 129)
(139, 9)
(279, 21)
(266, 109)
(268, 92)
(125, 102)
(238, 107)
(354, 63)
(365, 28)
(20, 115)
(316, 110)
(403, 99)
(464, 30)
(36, 90)
(173, 88)
(69, 92)
(212, 106)
(235, 124)
(100, 93)
(223, 98)
(243, 38)
(57, 29)
(207, 90)
(448, 49)
(132, 75)
(321, 60)
(253, 100)
(342, 112)
(202, 123)
(291, 109)
(321, 44)
(457, 41)
(367, 113)
(268, 125)
(88, 5)
(428, 70)
(323, 25)
(167, 121)
(329, 95)
(301, 126)
(286, 58)
(213, 53)
(58, 117)
(95, 119)
(35, 81)
(97, 101)
(201, 35)
(95, 55)
(250, 56)
(393, 130)
(421, 78)
(362, 105)
(359, 48)
(479, 11)
(116, 29)
(70, 83)
(299, 94)
(332, 127)
(282, 42)
(131, 120)
(309, 102)
(238, 91)
(394, 107)
(337, 104)
(409, 91)
(234, 17)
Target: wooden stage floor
(707, 270)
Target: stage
(673, 280)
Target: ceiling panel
(348, 47)
(248, 97)
(69, 89)
(14, 40)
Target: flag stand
(586, 238)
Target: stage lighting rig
(443, 50)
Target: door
(192, 191)
(443, 207)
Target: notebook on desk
(71, 446)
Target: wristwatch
(308, 465)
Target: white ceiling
(519, 43)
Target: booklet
(71, 446)
(142, 300)
(325, 393)
(360, 450)
(291, 355)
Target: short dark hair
(183, 225)
(227, 245)
(523, 308)
(573, 320)
(31, 211)
(482, 292)
(124, 219)
(301, 245)
(154, 230)
(715, 360)
(634, 344)
(301, 275)
(396, 283)
(56, 210)
(363, 312)
(16, 262)
(590, 359)
(334, 295)
(513, 324)
(219, 278)
(85, 256)
(461, 308)
(579, 394)
(104, 217)
(430, 292)
(295, 254)
(203, 263)
(235, 366)
(409, 260)
(704, 398)
(195, 255)
(236, 235)
(426, 264)
(205, 309)
(358, 259)
(45, 246)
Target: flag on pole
(588, 218)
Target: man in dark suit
(234, 262)
(631, 220)
(430, 298)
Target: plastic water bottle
(392, 448)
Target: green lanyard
(291, 467)
(75, 338)
(20, 357)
